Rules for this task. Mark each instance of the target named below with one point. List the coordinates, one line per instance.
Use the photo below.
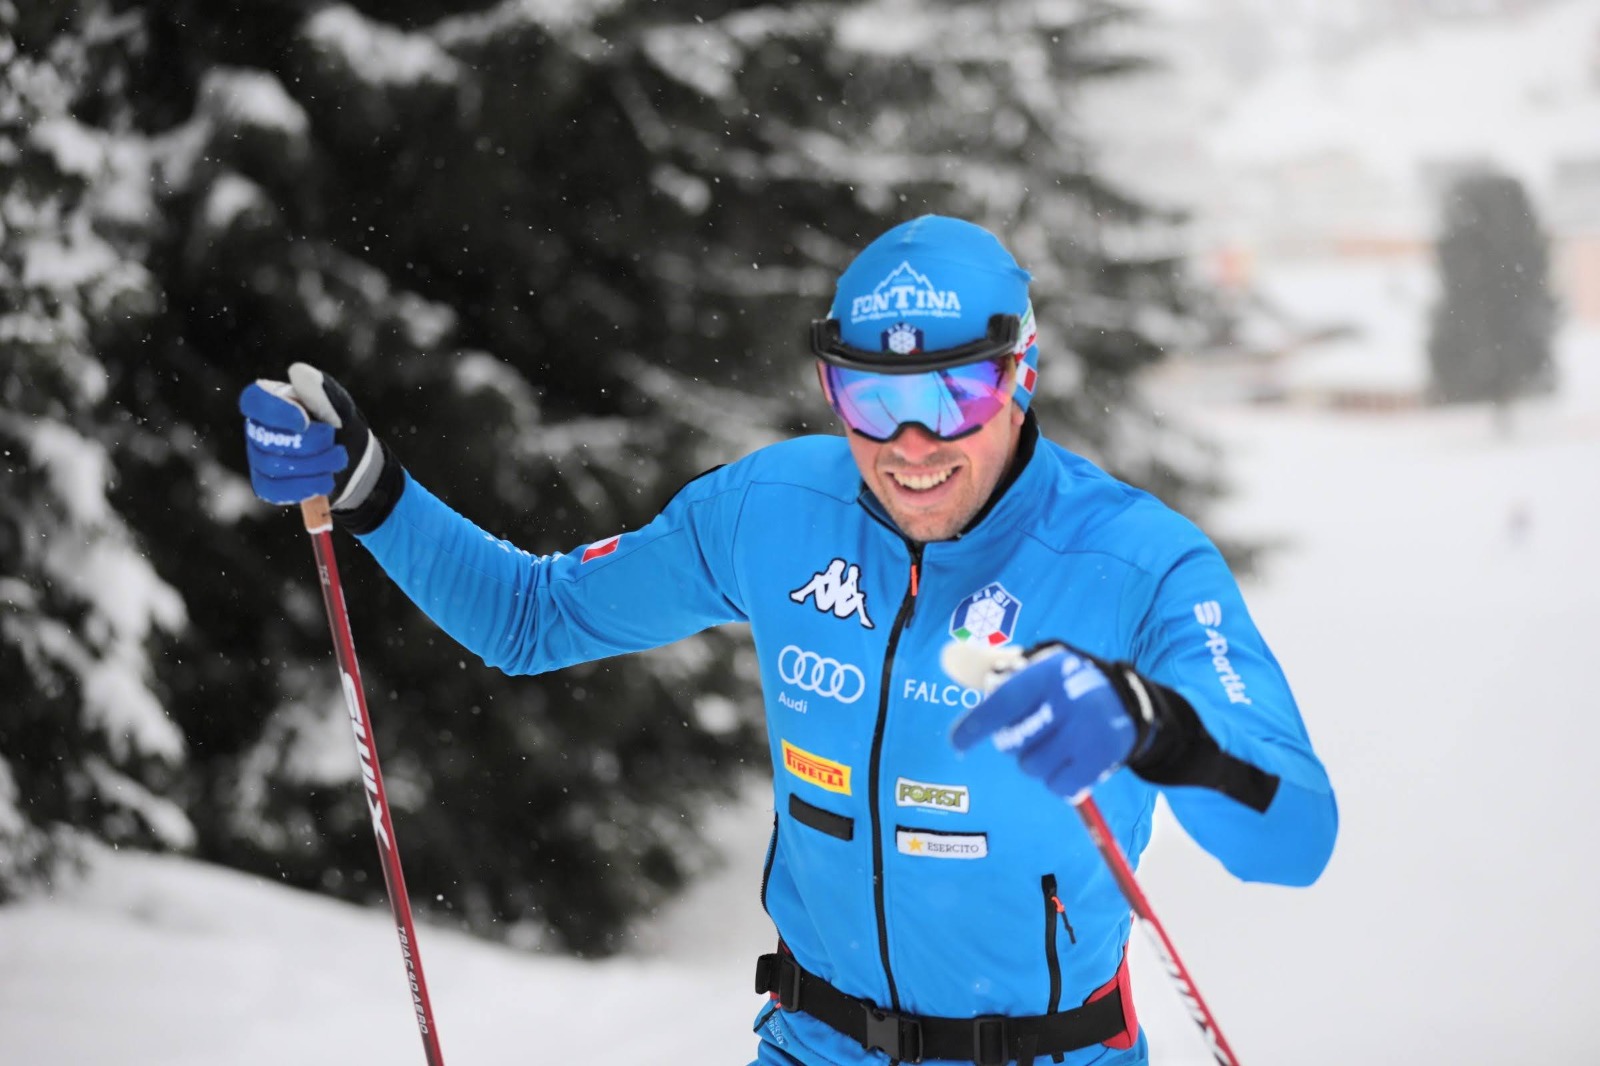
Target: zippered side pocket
(1055, 917)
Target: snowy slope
(1437, 614)
(1437, 611)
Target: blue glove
(292, 456)
(1070, 719)
(299, 437)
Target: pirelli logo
(824, 773)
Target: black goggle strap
(1000, 340)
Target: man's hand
(299, 437)
(1070, 719)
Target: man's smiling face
(931, 487)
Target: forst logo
(988, 615)
(909, 793)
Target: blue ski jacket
(899, 870)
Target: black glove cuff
(370, 513)
(1176, 748)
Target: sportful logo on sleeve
(1209, 615)
(837, 592)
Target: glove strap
(389, 482)
(364, 478)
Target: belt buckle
(989, 1044)
(896, 1035)
(788, 984)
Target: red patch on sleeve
(600, 549)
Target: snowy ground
(1435, 610)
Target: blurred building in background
(1313, 143)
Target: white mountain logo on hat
(905, 294)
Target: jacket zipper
(772, 854)
(1052, 908)
(907, 605)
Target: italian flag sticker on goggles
(950, 392)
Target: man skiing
(935, 898)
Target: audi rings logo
(816, 673)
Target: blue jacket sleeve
(1198, 639)
(527, 613)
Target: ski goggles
(950, 392)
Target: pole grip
(316, 513)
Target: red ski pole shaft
(1122, 872)
(319, 524)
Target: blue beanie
(940, 278)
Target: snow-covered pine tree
(564, 261)
(798, 132)
(86, 749)
(355, 223)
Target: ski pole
(319, 524)
(984, 668)
(1122, 873)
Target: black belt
(993, 1040)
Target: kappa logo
(811, 672)
(824, 773)
(988, 615)
(837, 591)
(905, 294)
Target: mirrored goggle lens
(948, 403)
